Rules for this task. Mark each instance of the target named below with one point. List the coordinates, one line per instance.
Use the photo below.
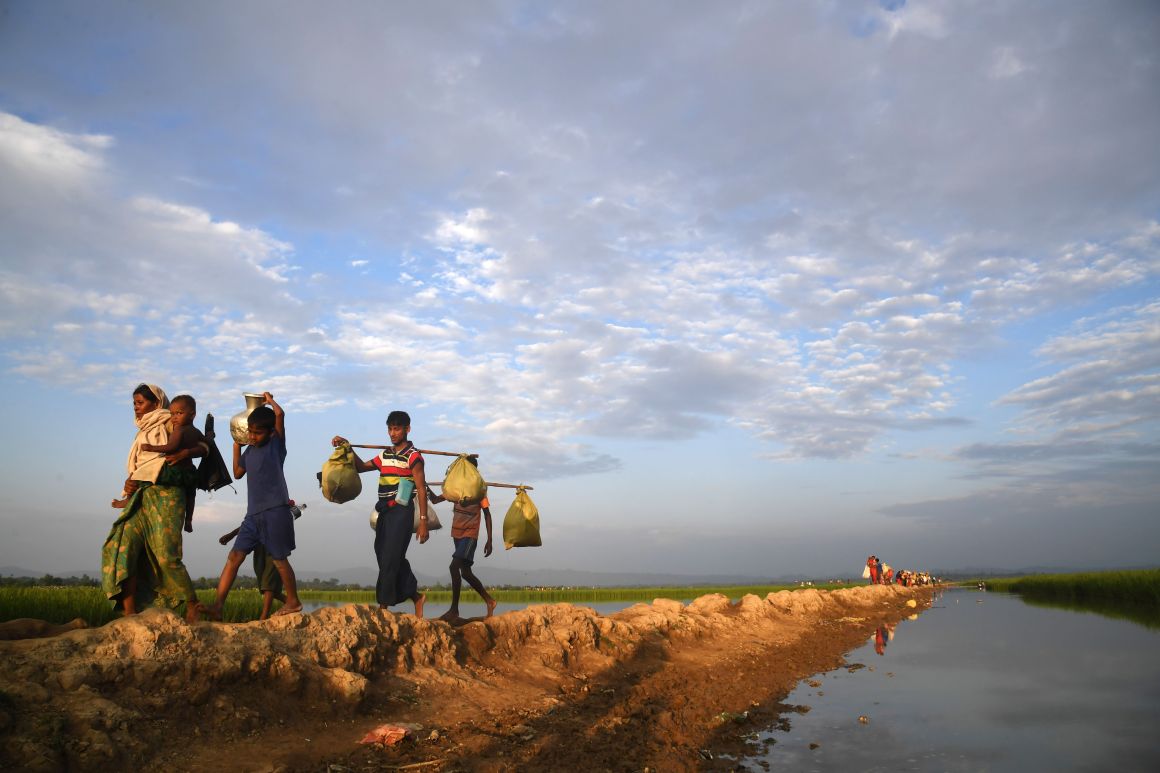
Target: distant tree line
(49, 580)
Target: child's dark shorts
(465, 549)
(273, 529)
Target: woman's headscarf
(152, 429)
(158, 392)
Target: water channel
(982, 682)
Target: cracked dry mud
(663, 686)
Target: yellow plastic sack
(521, 525)
(463, 483)
(339, 479)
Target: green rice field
(1140, 587)
(1129, 595)
(60, 604)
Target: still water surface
(983, 682)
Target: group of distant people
(879, 573)
(141, 560)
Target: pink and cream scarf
(152, 429)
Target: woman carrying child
(141, 561)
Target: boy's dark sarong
(396, 582)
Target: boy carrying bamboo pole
(401, 483)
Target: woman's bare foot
(419, 601)
(193, 611)
(288, 610)
(129, 597)
(212, 612)
(491, 605)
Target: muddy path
(664, 686)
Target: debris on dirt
(733, 716)
(387, 735)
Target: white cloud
(1005, 63)
(1109, 370)
(626, 243)
(31, 150)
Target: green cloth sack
(339, 479)
(521, 525)
(463, 483)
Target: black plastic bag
(212, 472)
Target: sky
(737, 287)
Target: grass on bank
(1127, 595)
(61, 604)
(1140, 587)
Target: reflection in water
(994, 686)
(882, 637)
(1147, 616)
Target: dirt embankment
(662, 686)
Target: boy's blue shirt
(266, 486)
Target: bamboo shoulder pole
(420, 450)
(489, 483)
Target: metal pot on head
(240, 421)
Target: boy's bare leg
(420, 599)
(477, 586)
(267, 602)
(452, 614)
(229, 574)
(290, 583)
(190, 495)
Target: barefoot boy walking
(268, 521)
(465, 535)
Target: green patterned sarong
(145, 542)
(266, 571)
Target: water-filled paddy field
(981, 682)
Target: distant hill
(563, 577)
